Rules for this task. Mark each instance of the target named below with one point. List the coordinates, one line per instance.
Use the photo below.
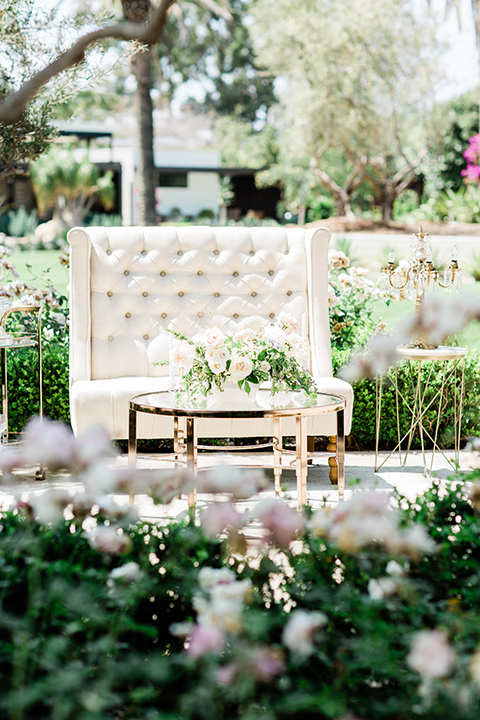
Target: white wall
(202, 189)
(201, 193)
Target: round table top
(293, 404)
(443, 352)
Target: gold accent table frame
(167, 403)
(15, 341)
(423, 398)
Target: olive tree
(356, 76)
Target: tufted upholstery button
(181, 294)
(145, 294)
(163, 273)
(199, 314)
(145, 337)
(200, 272)
(109, 252)
(215, 252)
(289, 292)
(144, 252)
(235, 315)
(126, 272)
(109, 293)
(216, 294)
(179, 252)
(286, 252)
(254, 294)
(271, 272)
(252, 252)
(128, 314)
(235, 274)
(272, 315)
(110, 338)
(164, 315)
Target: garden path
(408, 480)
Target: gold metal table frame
(452, 363)
(14, 341)
(167, 403)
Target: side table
(422, 397)
(13, 341)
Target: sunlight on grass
(44, 270)
(392, 313)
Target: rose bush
(368, 609)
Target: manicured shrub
(22, 368)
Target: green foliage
(473, 266)
(89, 632)
(352, 299)
(460, 122)
(22, 223)
(22, 370)
(364, 415)
(462, 205)
(77, 645)
(221, 56)
(68, 184)
(25, 48)
(103, 219)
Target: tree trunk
(138, 11)
(146, 163)
(339, 194)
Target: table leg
(277, 453)
(191, 463)
(341, 453)
(301, 460)
(132, 445)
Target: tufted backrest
(127, 284)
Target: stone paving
(409, 479)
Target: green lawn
(41, 268)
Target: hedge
(23, 397)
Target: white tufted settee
(127, 284)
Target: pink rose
(214, 336)
(205, 639)
(283, 523)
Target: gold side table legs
(277, 453)
(423, 397)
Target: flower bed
(367, 610)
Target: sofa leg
(332, 461)
(310, 447)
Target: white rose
(217, 353)
(214, 336)
(217, 365)
(241, 367)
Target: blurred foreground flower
(367, 519)
(436, 320)
(299, 631)
(431, 654)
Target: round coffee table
(264, 406)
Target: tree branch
(13, 106)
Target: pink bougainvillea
(472, 155)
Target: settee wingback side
(128, 284)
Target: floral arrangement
(366, 610)
(274, 353)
